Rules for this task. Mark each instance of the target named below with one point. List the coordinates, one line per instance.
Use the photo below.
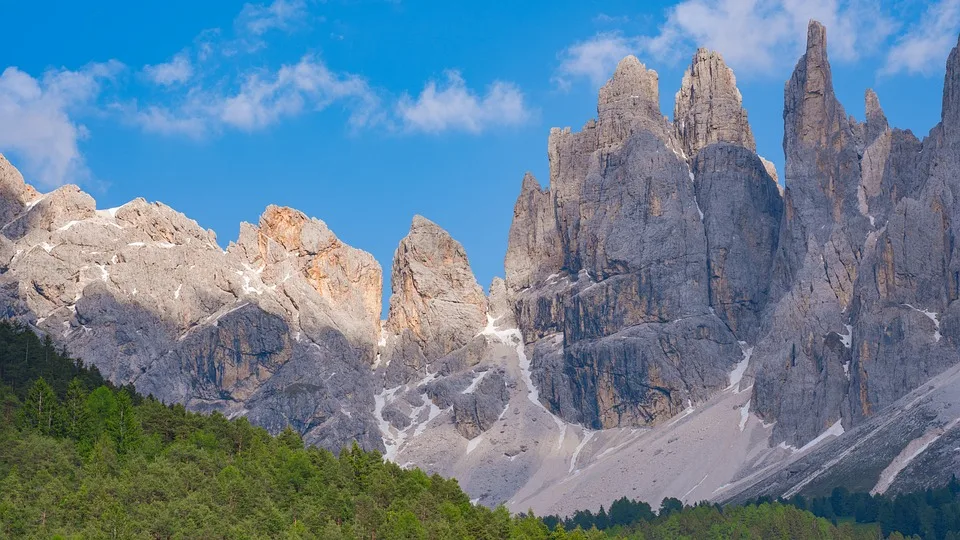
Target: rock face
(638, 318)
(662, 274)
(436, 306)
(708, 106)
(281, 327)
(677, 243)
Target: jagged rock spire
(630, 101)
(708, 108)
(950, 114)
(533, 249)
(435, 294)
(810, 107)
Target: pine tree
(74, 418)
(124, 426)
(40, 407)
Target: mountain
(672, 322)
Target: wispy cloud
(452, 106)
(754, 36)
(258, 19)
(261, 99)
(309, 84)
(922, 49)
(593, 59)
(177, 71)
(603, 18)
(38, 123)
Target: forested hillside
(80, 458)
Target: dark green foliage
(934, 513)
(80, 458)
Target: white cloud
(263, 99)
(258, 19)
(923, 49)
(593, 59)
(37, 122)
(754, 36)
(177, 70)
(453, 106)
(183, 121)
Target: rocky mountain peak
(708, 108)
(434, 292)
(631, 81)
(14, 192)
(873, 111)
(810, 107)
(533, 249)
(951, 91)
(630, 102)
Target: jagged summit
(708, 107)
(435, 296)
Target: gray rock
(708, 108)
(742, 210)
(533, 247)
(436, 302)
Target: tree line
(81, 458)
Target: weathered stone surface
(799, 370)
(862, 269)
(708, 108)
(281, 327)
(475, 411)
(533, 248)
(437, 305)
(634, 262)
(742, 210)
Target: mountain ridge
(662, 275)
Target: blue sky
(364, 113)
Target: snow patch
(587, 435)
(137, 244)
(475, 382)
(47, 247)
(248, 289)
(474, 442)
(684, 497)
(744, 415)
(111, 212)
(835, 430)
(737, 374)
(847, 339)
(386, 430)
(434, 412)
(68, 225)
(935, 317)
(913, 449)
(34, 202)
(176, 293)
